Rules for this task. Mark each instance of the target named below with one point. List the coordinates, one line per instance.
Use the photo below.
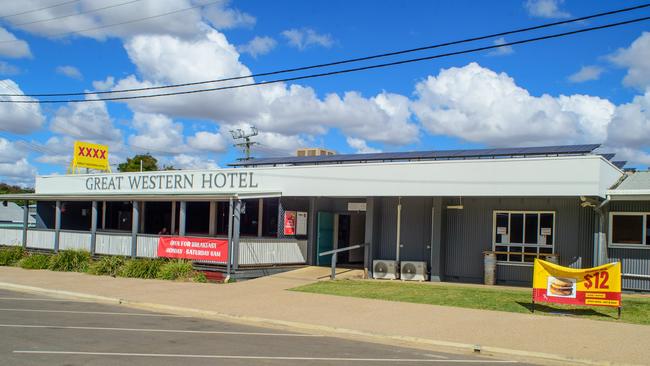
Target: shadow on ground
(539, 308)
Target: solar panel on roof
(607, 156)
(456, 154)
(619, 164)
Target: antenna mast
(246, 142)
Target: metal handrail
(334, 255)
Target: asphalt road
(41, 330)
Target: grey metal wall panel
(468, 232)
(515, 275)
(415, 230)
(633, 261)
(388, 225)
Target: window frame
(644, 227)
(522, 245)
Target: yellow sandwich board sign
(88, 155)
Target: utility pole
(246, 142)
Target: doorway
(340, 230)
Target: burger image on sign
(561, 287)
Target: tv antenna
(246, 142)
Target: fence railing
(252, 251)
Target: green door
(325, 239)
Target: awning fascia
(139, 197)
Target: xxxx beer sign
(92, 156)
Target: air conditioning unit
(413, 271)
(384, 269)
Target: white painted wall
(589, 175)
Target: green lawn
(636, 309)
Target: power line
(121, 23)
(338, 72)
(75, 14)
(39, 9)
(341, 62)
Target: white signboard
(356, 206)
(301, 223)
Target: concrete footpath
(265, 301)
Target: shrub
(109, 266)
(70, 260)
(176, 269)
(35, 261)
(199, 277)
(10, 256)
(141, 268)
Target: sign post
(597, 286)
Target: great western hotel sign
(176, 181)
(165, 182)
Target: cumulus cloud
(15, 117)
(208, 141)
(258, 46)
(86, 120)
(630, 126)
(293, 111)
(12, 47)
(305, 37)
(479, 105)
(501, 51)
(157, 133)
(545, 8)
(185, 161)
(635, 60)
(106, 84)
(586, 73)
(10, 152)
(184, 20)
(19, 172)
(8, 69)
(69, 71)
(361, 146)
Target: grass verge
(636, 309)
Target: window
(521, 236)
(629, 229)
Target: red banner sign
(201, 249)
(289, 222)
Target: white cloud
(15, 117)
(501, 51)
(19, 172)
(106, 84)
(290, 110)
(222, 17)
(635, 59)
(546, 8)
(258, 46)
(630, 125)
(361, 146)
(12, 47)
(208, 141)
(184, 161)
(586, 73)
(305, 37)
(69, 71)
(479, 105)
(8, 69)
(157, 133)
(89, 121)
(10, 152)
(99, 25)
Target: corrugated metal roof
(425, 155)
(635, 181)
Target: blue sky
(588, 88)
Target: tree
(149, 163)
(9, 189)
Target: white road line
(39, 299)
(95, 313)
(281, 358)
(158, 330)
